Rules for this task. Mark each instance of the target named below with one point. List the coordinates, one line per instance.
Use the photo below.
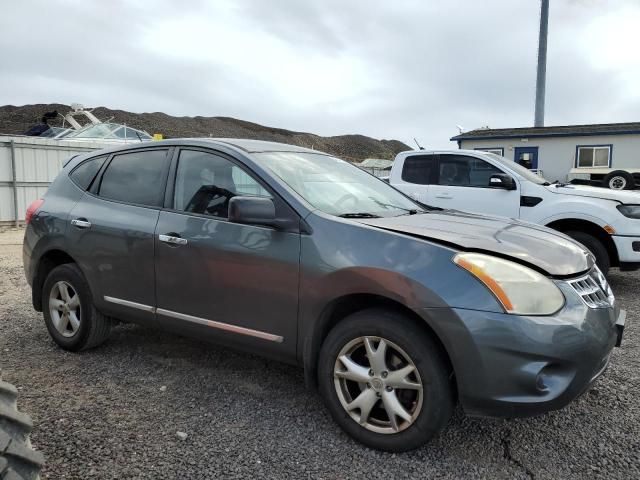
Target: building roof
(557, 131)
(378, 163)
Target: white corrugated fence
(27, 166)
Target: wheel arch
(567, 224)
(340, 308)
(47, 262)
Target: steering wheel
(346, 197)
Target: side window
(596, 156)
(136, 177)
(496, 151)
(419, 169)
(463, 171)
(205, 183)
(84, 173)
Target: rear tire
(18, 461)
(72, 320)
(422, 412)
(619, 180)
(595, 246)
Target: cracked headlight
(519, 289)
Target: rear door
(418, 173)
(112, 229)
(462, 183)
(214, 278)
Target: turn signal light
(33, 208)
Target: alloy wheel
(617, 183)
(64, 308)
(378, 385)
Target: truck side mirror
(502, 180)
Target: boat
(94, 131)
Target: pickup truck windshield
(335, 186)
(519, 169)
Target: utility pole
(542, 64)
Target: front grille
(594, 289)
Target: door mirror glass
(252, 211)
(502, 180)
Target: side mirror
(253, 211)
(502, 180)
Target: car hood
(622, 196)
(539, 247)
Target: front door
(527, 157)
(462, 183)
(231, 282)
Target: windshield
(335, 186)
(55, 132)
(519, 169)
(110, 130)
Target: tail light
(33, 208)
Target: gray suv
(395, 310)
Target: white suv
(607, 222)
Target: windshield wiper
(426, 207)
(359, 215)
(410, 211)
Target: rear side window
(84, 173)
(136, 177)
(419, 169)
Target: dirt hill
(16, 120)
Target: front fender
(343, 259)
(597, 211)
(573, 215)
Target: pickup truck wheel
(18, 461)
(596, 247)
(71, 318)
(385, 381)
(619, 180)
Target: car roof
(435, 152)
(257, 146)
(246, 145)
(242, 144)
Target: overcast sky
(387, 69)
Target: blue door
(527, 157)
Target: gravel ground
(114, 412)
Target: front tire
(70, 316)
(385, 381)
(596, 247)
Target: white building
(563, 152)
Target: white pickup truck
(607, 222)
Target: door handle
(81, 223)
(445, 196)
(173, 240)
